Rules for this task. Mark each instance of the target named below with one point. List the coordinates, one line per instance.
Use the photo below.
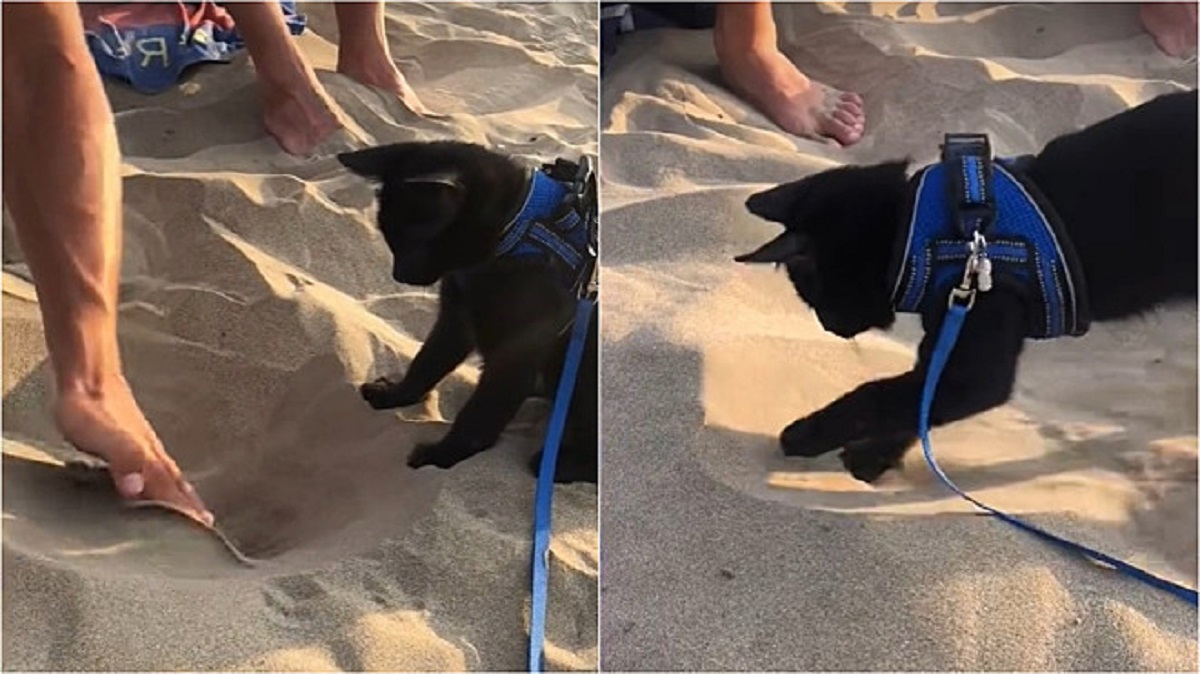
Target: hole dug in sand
(327, 476)
(322, 479)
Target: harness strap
(947, 338)
(512, 232)
(970, 183)
(558, 222)
(545, 484)
(582, 198)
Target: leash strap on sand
(545, 484)
(947, 338)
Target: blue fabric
(139, 46)
(975, 186)
(564, 241)
(1023, 246)
(1026, 252)
(554, 228)
(947, 338)
(544, 495)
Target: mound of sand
(255, 296)
(761, 562)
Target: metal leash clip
(977, 275)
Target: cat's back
(1126, 191)
(1169, 117)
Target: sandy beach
(256, 295)
(760, 562)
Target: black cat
(1124, 191)
(450, 212)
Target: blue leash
(545, 483)
(947, 338)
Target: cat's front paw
(803, 437)
(867, 460)
(866, 466)
(439, 454)
(383, 394)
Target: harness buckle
(583, 176)
(584, 189)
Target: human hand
(105, 421)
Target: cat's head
(839, 233)
(442, 204)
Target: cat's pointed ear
(785, 248)
(373, 162)
(777, 204)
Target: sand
(761, 562)
(256, 294)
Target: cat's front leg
(874, 409)
(447, 346)
(492, 406)
(509, 377)
(979, 375)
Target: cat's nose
(398, 272)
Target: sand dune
(767, 563)
(255, 296)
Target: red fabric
(132, 14)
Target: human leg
(296, 109)
(363, 53)
(745, 39)
(62, 185)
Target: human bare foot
(298, 113)
(774, 85)
(105, 421)
(296, 109)
(363, 53)
(375, 68)
(1172, 25)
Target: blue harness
(965, 208)
(1026, 243)
(557, 224)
